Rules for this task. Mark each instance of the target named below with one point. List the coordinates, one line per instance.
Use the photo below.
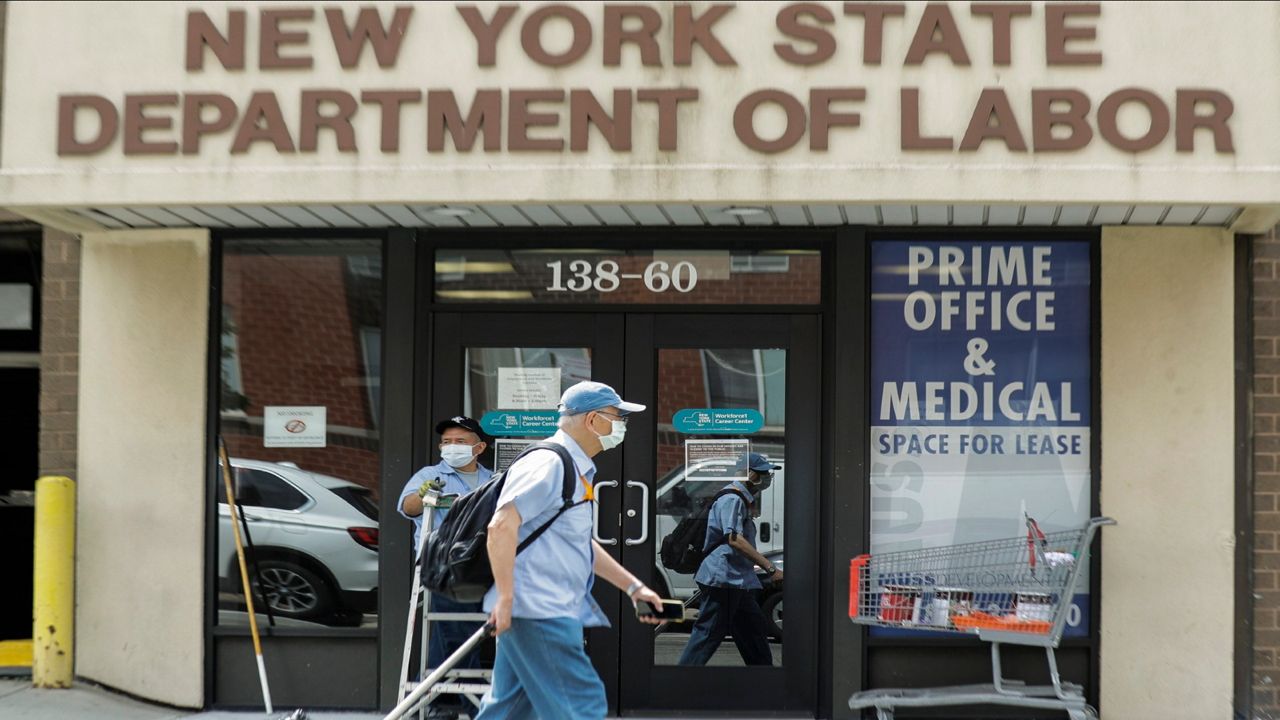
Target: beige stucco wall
(140, 536)
(115, 48)
(1167, 473)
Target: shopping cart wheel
(1087, 713)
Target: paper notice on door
(294, 426)
(528, 388)
(506, 450)
(716, 460)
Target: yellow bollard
(54, 590)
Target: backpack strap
(569, 484)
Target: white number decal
(656, 277)
(1073, 615)
(557, 283)
(688, 272)
(581, 270)
(607, 276)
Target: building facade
(948, 264)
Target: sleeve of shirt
(411, 488)
(729, 513)
(534, 485)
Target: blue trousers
(542, 671)
(728, 611)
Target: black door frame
(789, 686)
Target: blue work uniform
(453, 483)
(541, 669)
(446, 636)
(727, 581)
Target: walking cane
(244, 573)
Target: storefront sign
(980, 392)
(506, 450)
(294, 426)
(710, 421)
(716, 460)
(498, 423)
(528, 388)
(772, 117)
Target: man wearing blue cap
(727, 575)
(541, 599)
(458, 472)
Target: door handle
(595, 513)
(644, 513)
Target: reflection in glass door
(728, 393)
(719, 407)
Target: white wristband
(633, 588)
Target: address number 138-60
(658, 276)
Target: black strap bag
(683, 548)
(455, 561)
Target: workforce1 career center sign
(980, 391)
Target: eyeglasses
(620, 418)
(763, 475)
(456, 441)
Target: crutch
(424, 688)
(244, 573)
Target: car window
(360, 499)
(258, 488)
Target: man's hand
(644, 594)
(500, 618)
(776, 576)
(429, 485)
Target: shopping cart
(1016, 591)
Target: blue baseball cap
(587, 396)
(760, 463)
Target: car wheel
(772, 608)
(293, 591)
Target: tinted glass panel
(630, 277)
(300, 391)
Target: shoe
(445, 712)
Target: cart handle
(855, 581)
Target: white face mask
(458, 455)
(614, 438)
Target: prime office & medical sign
(778, 115)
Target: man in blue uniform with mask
(727, 576)
(541, 600)
(459, 471)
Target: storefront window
(981, 370)
(300, 396)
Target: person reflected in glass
(727, 579)
(458, 472)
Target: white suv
(315, 539)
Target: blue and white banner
(980, 392)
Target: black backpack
(682, 548)
(455, 561)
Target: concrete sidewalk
(85, 700)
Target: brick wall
(1266, 468)
(59, 353)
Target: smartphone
(670, 610)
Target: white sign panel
(528, 388)
(296, 426)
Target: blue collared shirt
(723, 566)
(453, 483)
(553, 576)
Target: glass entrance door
(720, 390)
